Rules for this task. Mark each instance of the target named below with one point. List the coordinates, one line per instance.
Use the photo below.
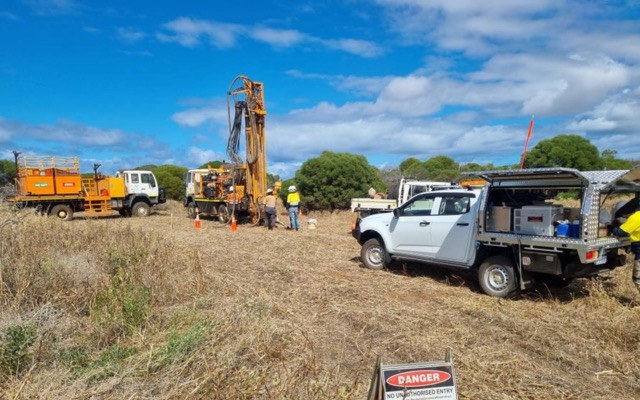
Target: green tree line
(331, 180)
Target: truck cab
(207, 191)
(513, 231)
(412, 187)
(192, 181)
(142, 192)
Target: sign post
(418, 381)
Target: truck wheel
(191, 211)
(140, 209)
(497, 276)
(223, 214)
(373, 254)
(62, 211)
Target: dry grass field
(152, 308)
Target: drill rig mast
(250, 173)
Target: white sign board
(418, 381)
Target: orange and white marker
(197, 224)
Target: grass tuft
(15, 350)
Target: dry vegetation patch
(154, 308)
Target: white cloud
(617, 113)
(6, 133)
(592, 124)
(188, 32)
(403, 118)
(282, 169)
(411, 95)
(215, 113)
(363, 48)
(197, 156)
(357, 85)
(467, 25)
(130, 35)
(277, 37)
(71, 132)
(66, 134)
(293, 141)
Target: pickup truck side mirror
(397, 212)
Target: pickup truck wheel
(62, 211)
(497, 276)
(140, 210)
(373, 254)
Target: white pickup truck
(510, 231)
(407, 188)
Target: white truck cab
(507, 231)
(412, 187)
(142, 192)
(192, 180)
(137, 181)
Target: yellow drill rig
(249, 175)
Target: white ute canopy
(627, 182)
(616, 180)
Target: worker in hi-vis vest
(233, 200)
(293, 205)
(631, 228)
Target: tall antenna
(526, 143)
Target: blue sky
(127, 83)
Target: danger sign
(418, 378)
(419, 381)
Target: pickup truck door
(410, 231)
(452, 225)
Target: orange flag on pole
(526, 143)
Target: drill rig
(249, 174)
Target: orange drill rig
(249, 174)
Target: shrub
(121, 307)
(15, 355)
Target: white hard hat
(231, 188)
(292, 188)
(269, 190)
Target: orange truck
(54, 186)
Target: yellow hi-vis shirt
(293, 199)
(632, 226)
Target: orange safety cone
(197, 224)
(234, 225)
